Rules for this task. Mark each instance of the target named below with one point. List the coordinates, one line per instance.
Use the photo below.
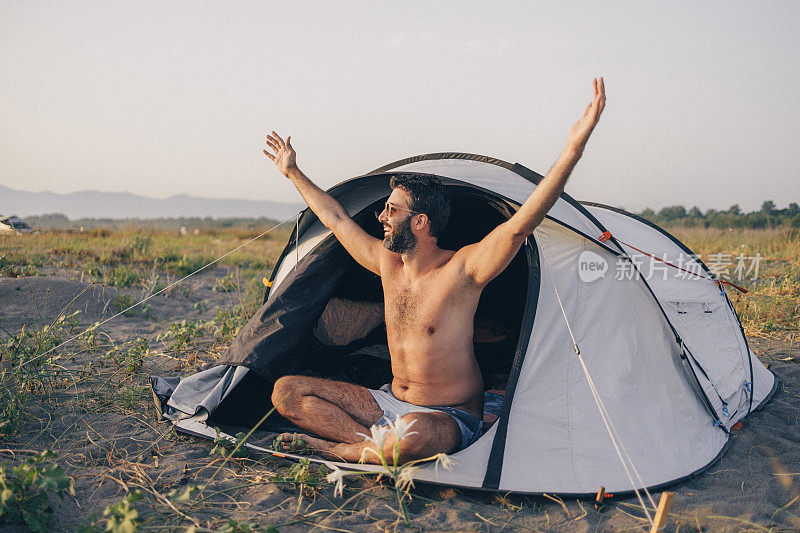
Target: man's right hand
(364, 248)
(284, 157)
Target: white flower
(405, 479)
(336, 476)
(400, 427)
(444, 460)
(379, 434)
(366, 451)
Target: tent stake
(601, 495)
(663, 510)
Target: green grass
(772, 303)
(30, 370)
(61, 399)
(25, 491)
(125, 258)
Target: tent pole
(664, 505)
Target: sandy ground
(109, 441)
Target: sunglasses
(392, 210)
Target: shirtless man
(430, 297)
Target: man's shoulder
(459, 260)
(458, 257)
(388, 260)
(454, 267)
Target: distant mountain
(118, 205)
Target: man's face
(397, 234)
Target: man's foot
(291, 442)
(300, 443)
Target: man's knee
(409, 448)
(426, 438)
(286, 393)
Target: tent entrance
(348, 342)
(350, 337)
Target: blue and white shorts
(469, 424)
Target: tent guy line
(615, 440)
(168, 287)
(607, 235)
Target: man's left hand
(581, 130)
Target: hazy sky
(703, 97)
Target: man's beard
(402, 239)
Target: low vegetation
(25, 491)
(89, 400)
(772, 304)
(132, 258)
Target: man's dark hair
(427, 196)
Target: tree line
(768, 216)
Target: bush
(123, 517)
(25, 488)
(141, 244)
(182, 335)
(186, 266)
(101, 232)
(121, 303)
(14, 269)
(228, 448)
(227, 323)
(122, 276)
(25, 371)
(132, 354)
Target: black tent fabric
(268, 343)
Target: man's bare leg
(435, 433)
(334, 410)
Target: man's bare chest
(422, 306)
(404, 305)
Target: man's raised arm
(485, 260)
(362, 246)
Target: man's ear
(420, 220)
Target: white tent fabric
(700, 313)
(503, 181)
(551, 437)
(633, 359)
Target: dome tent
(666, 353)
